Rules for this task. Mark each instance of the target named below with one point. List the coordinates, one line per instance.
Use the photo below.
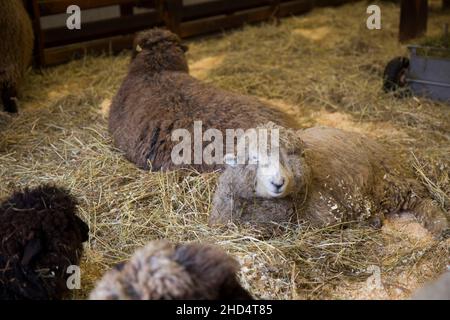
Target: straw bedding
(324, 68)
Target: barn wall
(59, 20)
(111, 28)
(98, 14)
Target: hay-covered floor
(324, 68)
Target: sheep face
(264, 175)
(264, 188)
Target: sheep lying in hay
(438, 289)
(158, 96)
(324, 176)
(40, 238)
(16, 47)
(163, 271)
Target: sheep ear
(230, 159)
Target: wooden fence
(58, 44)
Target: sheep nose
(278, 183)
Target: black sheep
(40, 237)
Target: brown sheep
(158, 96)
(16, 49)
(163, 271)
(325, 176)
(40, 237)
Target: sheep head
(265, 184)
(41, 236)
(159, 50)
(164, 271)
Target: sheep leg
(431, 216)
(8, 95)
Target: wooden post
(275, 6)
(35, 16)
(445, 4)
(171, 13)
(413, 19)
(126, 10)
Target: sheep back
(345, 177)
(153, 101)
(16, 46)
(354, 177)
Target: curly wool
(163, 271)
(16, 47)
(338, 177)
(40, 237)
(159, 96)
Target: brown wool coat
(338, 177)
(158, 95)
(16, 49)
(164, 271)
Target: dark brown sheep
(164, 271)
(16, 49)
(40, 237)
(158, 96)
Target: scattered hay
(5, 118)
(442, 42)
(347, 122)
(61, 136)
(315, 34)
(437, 188)
(201, 68)
(104, 108)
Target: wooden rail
(125, 24)
(57, 45)
(413, 19)
(216, 15)
(50, 7)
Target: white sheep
(323, 175)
